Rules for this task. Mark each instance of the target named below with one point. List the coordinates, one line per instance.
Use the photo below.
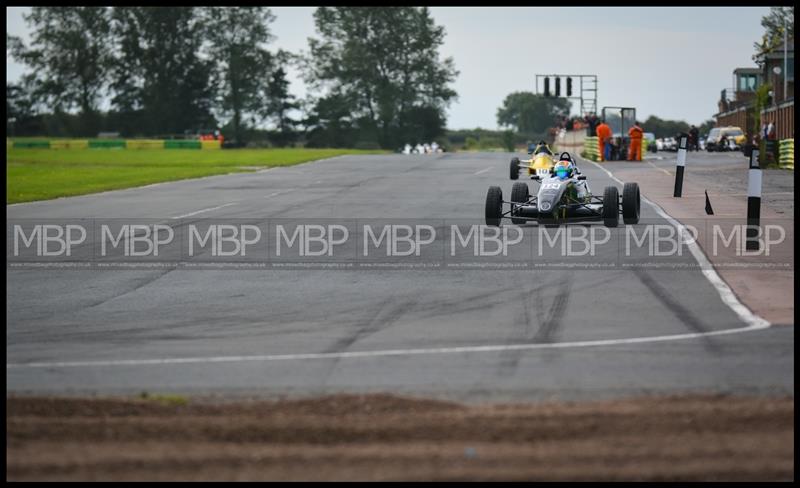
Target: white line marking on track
(203, 211)
(726, 294)
(483, 170)
(280, 192)
(660, 169)
(383, 353)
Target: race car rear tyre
(519, 194)
(631, 203)
(494, 206)
(514, 169)
(611, 206)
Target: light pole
(785, 59)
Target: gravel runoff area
(386, 437)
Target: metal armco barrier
(144, 144)
(591, 149)
(210, 144)
(753, 202)
(786, 154)
(30, 144)
(69, 144)
(679, 167)
(114, 144)
(107, 144)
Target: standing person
(604, 133)
(635, 150)
(694, 138)
(591, 124)
(772, 144)
(771, 132)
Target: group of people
(608, 150)
(569, 123)
(431, 148)
(216, 136)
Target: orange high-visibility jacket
(636, 132)
(603, 132)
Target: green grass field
(42, 174)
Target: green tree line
(375, 75)
(671, 128)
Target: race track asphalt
(276, 332)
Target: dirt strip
(385, 437)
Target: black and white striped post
(753, 202)
(680, 166)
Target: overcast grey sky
(669, 62)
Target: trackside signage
(259, 243)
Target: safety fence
(114, 144)
(786, 154)
(590, 148)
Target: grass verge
(44, 174)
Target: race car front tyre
(514, 169)
(631, 203)
(494, 206)
(611, 206)
(519, 194)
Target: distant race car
(540, 163)
(563, 197)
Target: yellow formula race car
(540, 163)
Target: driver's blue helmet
(562, 169)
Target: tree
(508, 140)
(237, 39)
(423, 123)
(664, 128)
(531, 114)
(706, 126)
(160, 79)
(21, 109)
(70, 56)
(386, 60)
(773, 24)
(281, 103)
(330, 122)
